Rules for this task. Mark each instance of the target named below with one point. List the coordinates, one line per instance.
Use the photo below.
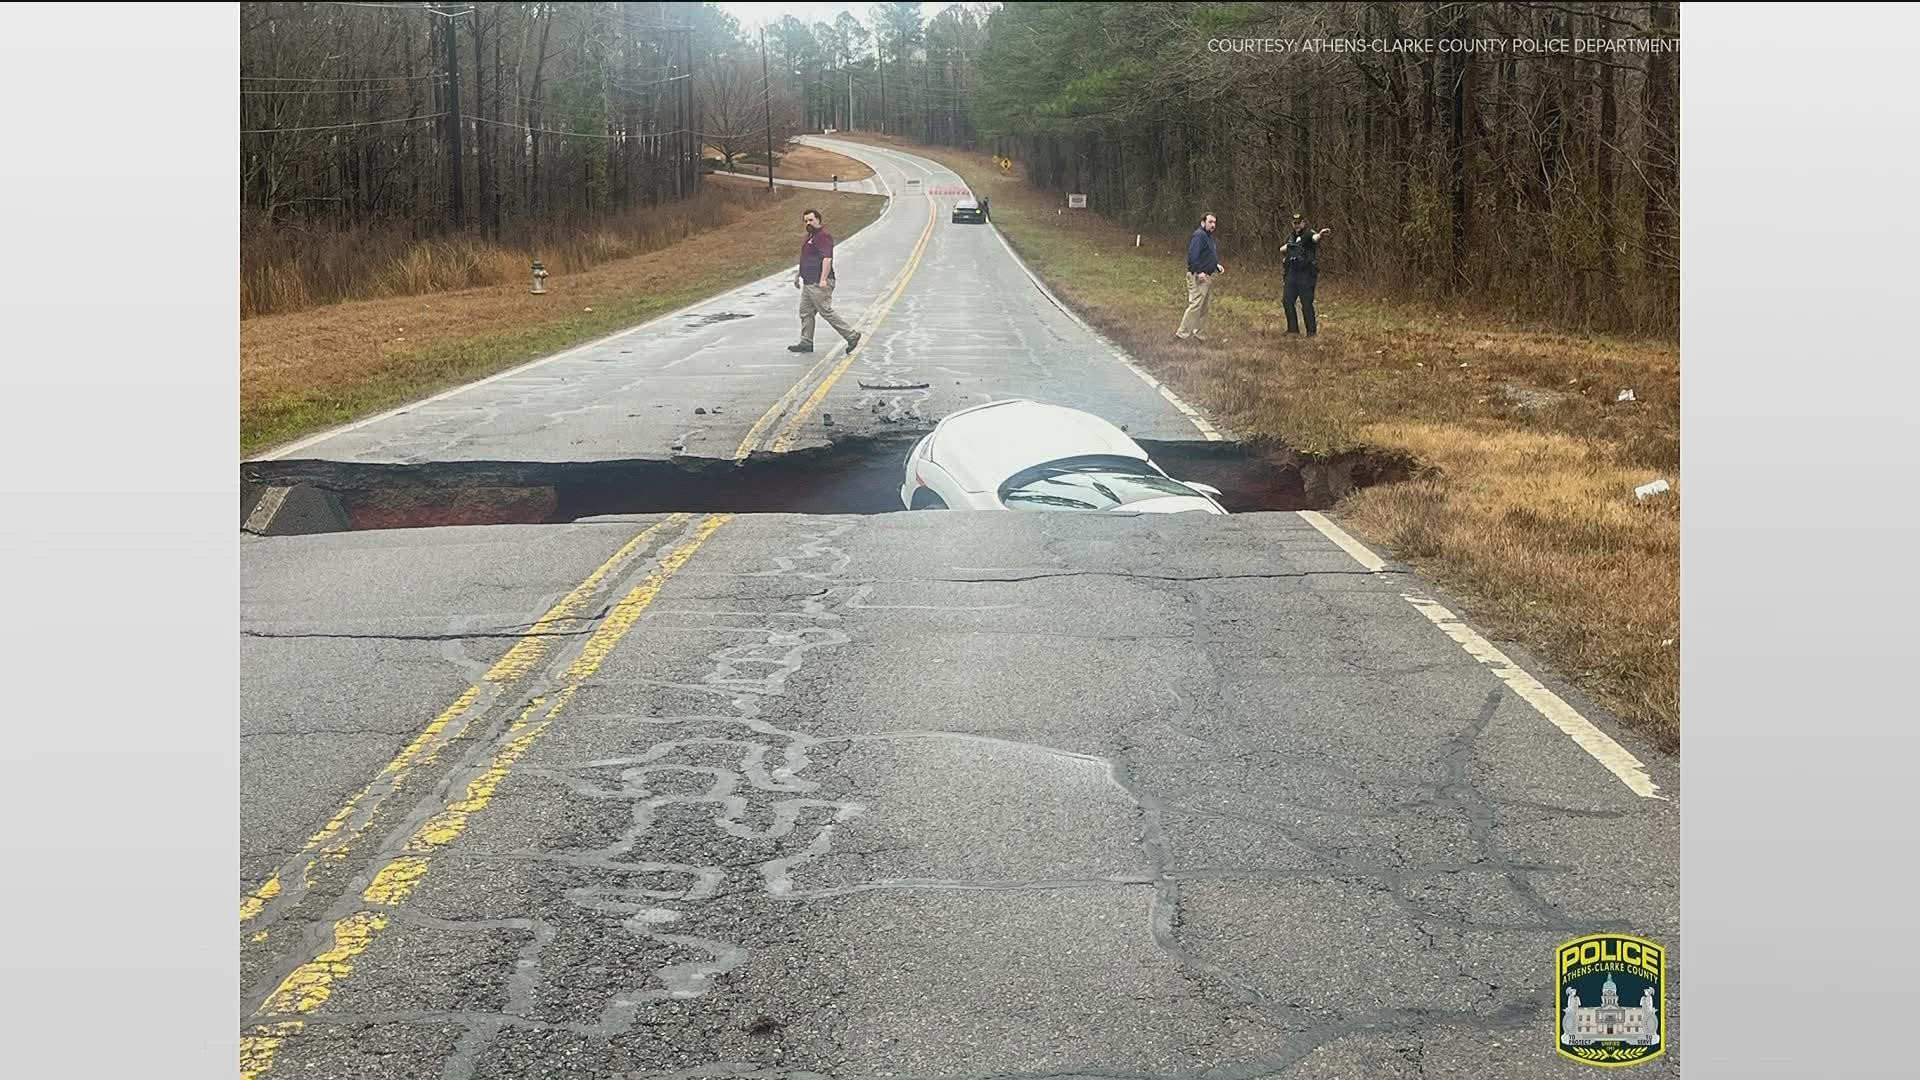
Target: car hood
(983, 446)
(1171, 504)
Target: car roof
(967, 202)
(984, 445)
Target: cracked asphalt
(907, 795)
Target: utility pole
(929, 95)
(679, 118)
(453, 119)
(766, 98)
(694, 141)
(850, 126)
(878, 55)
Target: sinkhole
(854, 475)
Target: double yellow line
(791, 429)
(313, 982)
(359, 813)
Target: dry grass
(287, 269)
(800, 163)
(308, 370)
(1527, 512)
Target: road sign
(913, 184)
(1076, 202)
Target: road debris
(895, 386)
(699, 412)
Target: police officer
(1301, 254)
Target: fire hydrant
(539, 278)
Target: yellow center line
(525, 655)
(313, 983)
(820, 392)
(773, 412)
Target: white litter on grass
(1647, 491)
(1626, 395)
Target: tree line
(495, 117)
(481, 116)
(1540, 179)
(1467, 151)
(1543, 181)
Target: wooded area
(487, 116)
(1544, 183)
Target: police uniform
(1303, 270)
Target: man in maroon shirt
(815, 282)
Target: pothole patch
(709, 318)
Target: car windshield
(1088, 487)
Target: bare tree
(732, 121)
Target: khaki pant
(1199, 302)
(819, 298)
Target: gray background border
(118, 553)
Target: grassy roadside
(1527, 510)
(309, 370)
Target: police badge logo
(1614, 991)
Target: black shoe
(853, 343)
(799, 348)
(1293, 331)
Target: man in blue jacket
(1203, 264)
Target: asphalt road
(954, 311)
(917, 795)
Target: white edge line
(356, 425)
(1193, 415)
(1617, 759)
(1360, 552)
(343, 429)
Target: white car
(1027, 455)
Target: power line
(402, 7)
(338, 127)
(330, 90)
(578, 134)
(553, 111)
(339, 78)
(657, 82)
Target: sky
(754, 16)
